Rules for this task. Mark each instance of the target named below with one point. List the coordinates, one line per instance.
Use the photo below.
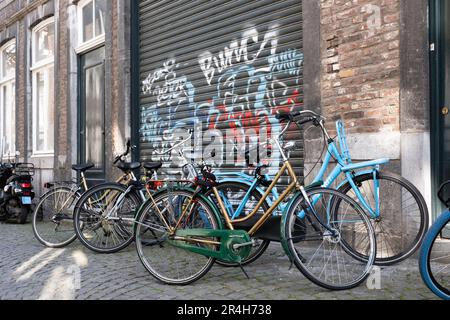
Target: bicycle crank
(227, 245)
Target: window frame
(5, 82)
(34, 31)
(37, 67)
(96, 40)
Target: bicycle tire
(425, 257)
(34, 219)
(77, 219)
(414, 245)
(255, 254)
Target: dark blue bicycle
(434, 259)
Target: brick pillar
(62, 133)
(118, 84)
(22, 90)
(360, 80)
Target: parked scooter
(16, 191)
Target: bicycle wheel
(403, 217)
(53, 217)
(434, 261)
(166, 262)
(104, 217)
(232, 194)
(315, 243)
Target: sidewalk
(31, 271)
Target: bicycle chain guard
(228, 238)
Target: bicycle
(400, 223)
(52, 218)
(104, 215)
(434, 254)
(338, 246)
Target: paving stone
(31, 271)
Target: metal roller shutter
(224, 68)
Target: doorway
(91, 146)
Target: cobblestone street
(31, 271)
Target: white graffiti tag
(238, 52)
(166, 86)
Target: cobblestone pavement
(31, 271)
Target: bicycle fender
(214, 208)
(286, 210)
(357, 174)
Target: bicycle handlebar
(306, 117)
(293, 115)
(127, 151)
(301, 118)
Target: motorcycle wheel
(22, 218)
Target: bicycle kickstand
(243, 270)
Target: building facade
(65, 96)
(78, 78)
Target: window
(8, 99)
(43, 45)
(91, 17)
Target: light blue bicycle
(434, 261)
(395, 206)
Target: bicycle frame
(123, 179)
(117, 202)
(294, 185)
(79, 185)
(343, 166)
(349, 170)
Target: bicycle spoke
(340, 254)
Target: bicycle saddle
(127, 166)
(152, 165)
(83, 167)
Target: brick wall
(21, 89)
(118, 84)
(361, 64)
(7, 10)
(62, 130)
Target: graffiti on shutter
(229, 96)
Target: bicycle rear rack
(23, 169)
